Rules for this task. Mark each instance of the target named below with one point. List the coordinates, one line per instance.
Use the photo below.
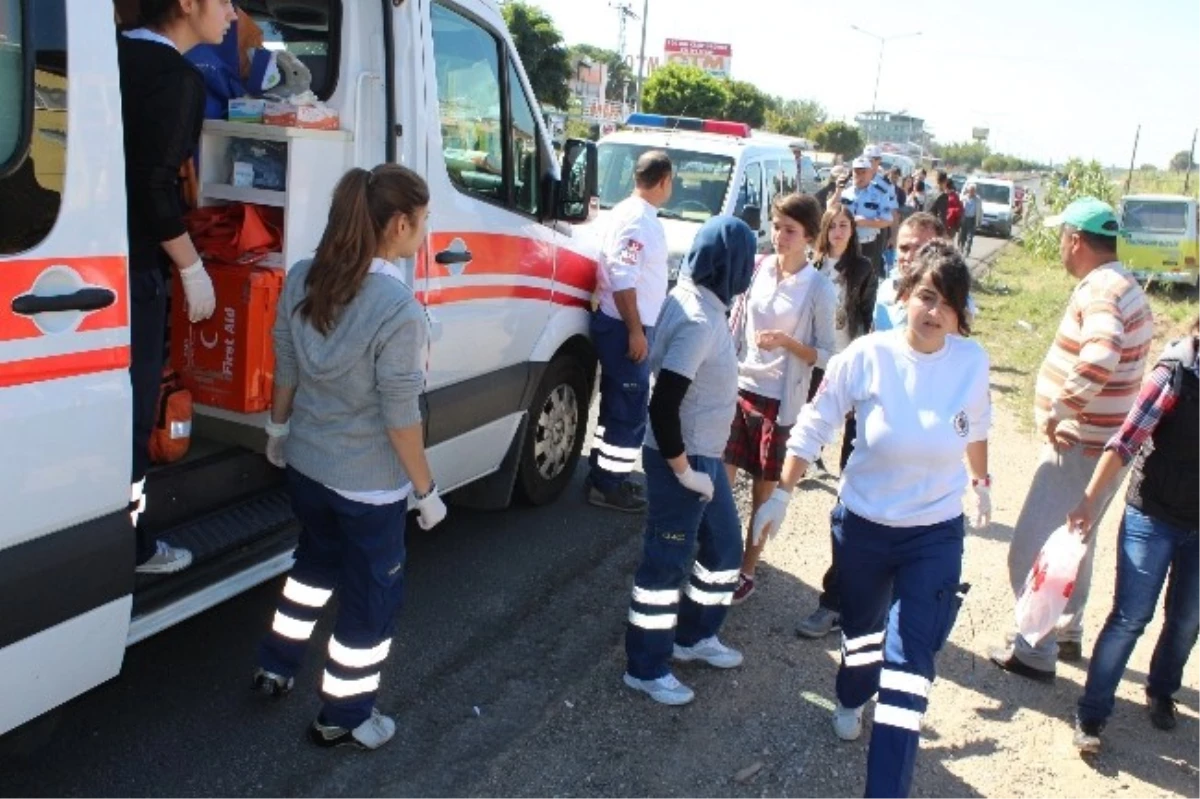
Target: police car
(505, 278)
(719, 169)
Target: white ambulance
(719, 169)
(505, 278)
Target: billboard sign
(713, 58)
(979, 134)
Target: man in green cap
(1087, 383)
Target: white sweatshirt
(916, 414)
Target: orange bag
(172, 433)
(237, 233)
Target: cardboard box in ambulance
(719, 169)
(505, 278)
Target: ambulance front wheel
(554, 435)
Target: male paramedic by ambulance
(632, 284)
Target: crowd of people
(757, 363)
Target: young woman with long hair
(783, 328)
(351, 344)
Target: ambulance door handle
(89, 299)
(446, 257)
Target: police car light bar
(723, 127)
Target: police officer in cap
(872, 206)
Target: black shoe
(635, 488)
(1070, 651)
(621, 498)
(1162, 711)
(1005, 659)
(271, 684)
(1087, 736)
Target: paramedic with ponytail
(351, 343)
(162, 109)
(920, 396)
(693, 535)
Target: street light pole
(883, 40)
(642, 54)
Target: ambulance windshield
(701, 180)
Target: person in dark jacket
(162, 109)
(1157, 539)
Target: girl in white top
(783, 327)
(921, 398)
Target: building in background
(904, 130)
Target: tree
(620, 76)
(995, 163)
(839, 138)
(745, 103)
(1148, 168)
(795, 117)
(679, 90)
(965, 155)
(540, 46)
(1182, 161)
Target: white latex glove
(770, 516)
(198, 290)
(431, 509)
(699, 482)
(276, 435)
(983, 506)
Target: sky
(1051, 79)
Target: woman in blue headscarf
(690, 501)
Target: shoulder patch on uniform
(961, 425)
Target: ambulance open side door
(66, 541)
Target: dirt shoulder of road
(763, 729)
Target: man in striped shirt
(1088, 382)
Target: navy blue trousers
(356, 550)
(624, 403)
(900, 595)
(691, 545)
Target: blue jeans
(357, 550)
(1149, 549)
(900, 595)
(687, 541)
(624, 403)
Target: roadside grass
(1021, 300)
(1155, 182)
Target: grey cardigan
(815, 329)
(365, 377)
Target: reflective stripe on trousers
(624, 403)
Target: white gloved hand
(699, 482)
(431, 509)
(276, 435)
(198, 290)
(983, 505)
(769, 517)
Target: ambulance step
(223, 544)
(181, 492)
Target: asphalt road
(502, 610)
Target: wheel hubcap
(554, 439)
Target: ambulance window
(773, 183)
(527, 168)
(32, 183)
(750, 192)
(308, 29)
(467, 69)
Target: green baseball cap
(1089, 215)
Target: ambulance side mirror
(577, 186)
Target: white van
(505, 278)
(719, 169)
(997, 196)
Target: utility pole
(642, 53)
(879, 66)
(625, 12)
(1132, 159)
(1187, 175)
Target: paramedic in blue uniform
(920, 396)
(873, 207)
(693, 541)
(162, 109)
(631, 287)
(351, 344)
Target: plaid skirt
(756, 444)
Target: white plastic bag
(1050, 584)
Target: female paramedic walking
(921, 400)
(1157, 541)
(783, 328)
(689, 499)
(350, 348)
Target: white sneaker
(711, 651)
(166, 560)
(373, 733)
(847, 722)
(665, 690)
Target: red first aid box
(228, 360)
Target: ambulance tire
(558, 416)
